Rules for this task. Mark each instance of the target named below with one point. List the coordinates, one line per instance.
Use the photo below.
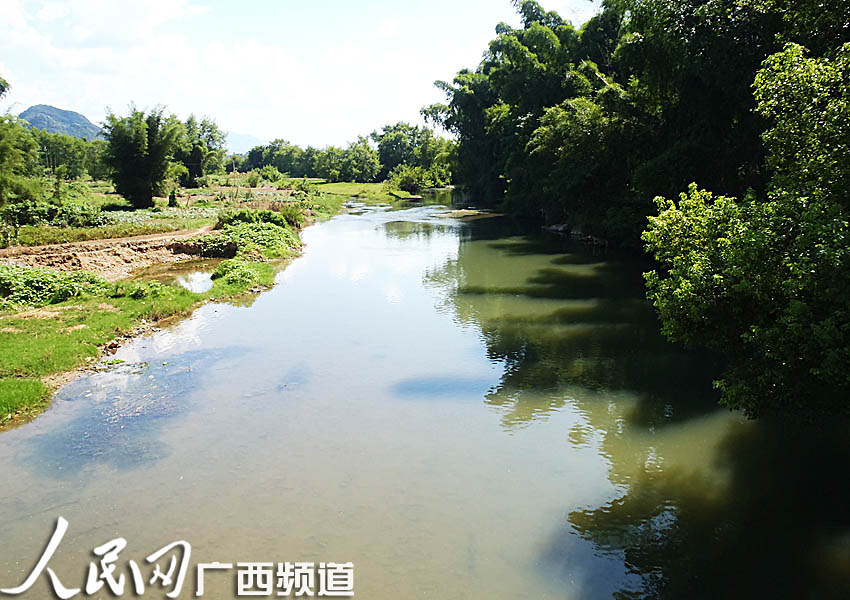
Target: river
(461, 409)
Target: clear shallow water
(194, 275)
(463, 410)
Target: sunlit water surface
(464, 410)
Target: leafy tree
(767, 281)
(360, 163)
(200, 148)
(18, 162)
(328, 163)
(396, 144)
(140, 152)
(62, 151)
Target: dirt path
(113, 258)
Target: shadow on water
(560, 316)
(777, 528)
(761, 513)
(122, 419)
(442, 387)
(405, 230)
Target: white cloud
(387, 27)
(52, 11)
(86, 55)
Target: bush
(244, 215)
(271, 174)
(252, 180)
(140, 290)
(78, 215)
(273, 241)
(39, 286)
(172, 198)
(236, 272)
(411, 179)
(28, 212)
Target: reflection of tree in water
(761, 516)
(777, 529)
(405, 230)
(562, 317)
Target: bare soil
(113, 258)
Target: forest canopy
(725, 122)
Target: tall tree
(766, 280)
(18, 161)
(141, 147)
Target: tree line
(409, 156)
(604, 126)
(143, 153)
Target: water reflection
(126, 408)
(560, 317)
(465, 410)
(761, 512)
(194, 275)
(777, 527)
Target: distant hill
(240, 143)
(56, 120)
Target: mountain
(240, 143)
(56, 120)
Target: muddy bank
(112, 259)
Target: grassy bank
(55, 322)
(41, 339)
(375, 192)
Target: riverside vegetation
(154, 174)
(714, 133)
(604, 126)
(52, 322)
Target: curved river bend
(463, 410)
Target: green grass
(24, 395)
(325, 206)
(80, 312)
(38, 235)
(375, 192)
(35, 343)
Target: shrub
(411, 179)
(252, 180)
(244, 215)
(271, 174)
(37, 286)
(289, 215)
(28, 212)
(78, 215)
(139, 290)
(236, 272)
(273, 241)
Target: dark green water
(464, 410)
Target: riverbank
(56, 325)
(111, 258)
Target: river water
(461, 409)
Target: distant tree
(95, 165)
(360, 162)
(58, 151)
(396, 145)
(200, 148)
(4, 87)
(328, 164)
(18, 161)
(140, 151)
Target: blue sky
(317, 72)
